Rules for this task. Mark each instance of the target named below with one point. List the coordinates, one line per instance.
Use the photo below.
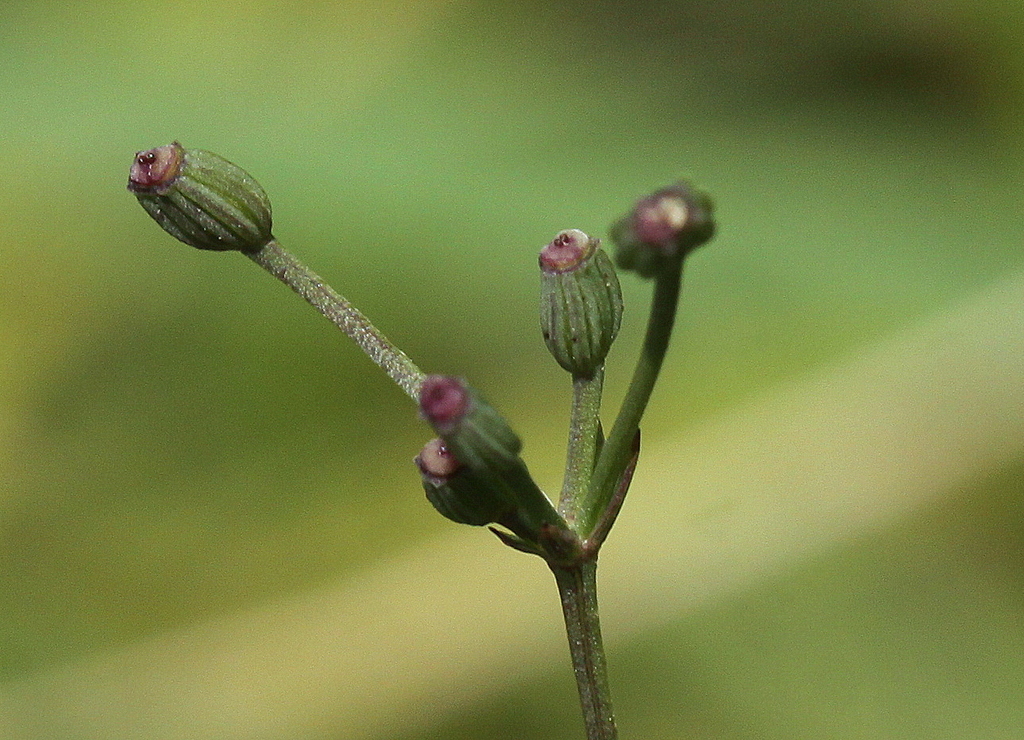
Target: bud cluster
(473, 473)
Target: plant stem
(282, 265)
(584, 426)
(617, 450)
(577, 588)
(604, 524)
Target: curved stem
(617, 450)
(282, 265)
(577, 588)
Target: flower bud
(201, 199)
(436, 462)
(456, 492)
(580, 302)
(662, 228)
(491, 482)
(470, 427)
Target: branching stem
(617, 450)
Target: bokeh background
(210, 526)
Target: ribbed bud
(456, 492)
(201, 198)
(662, 228)
(471, 428)
(491, 483)
(580, 302)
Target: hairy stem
(584, 435)
(282, 265)
(577, 588)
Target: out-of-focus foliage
(183, 443)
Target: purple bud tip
(444, 401)
(658, 218)
(436, 461)
(155, 170)
(568, 250)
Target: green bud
(201, 198)
(456, 492)
(580, 302)
(471, 428)
(490, 481)
(662, 228)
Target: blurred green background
(210, 526)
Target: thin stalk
(577, 588)
(584, 425)
(604, 524)
(617, 450)
(282, 265)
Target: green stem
(577, 588)
(584, 432)
(282, 265)
(617, 450)
(604, 524)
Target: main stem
(577, 588)
(282, 265)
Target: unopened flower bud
(436, 461)
(491, 484)
(201, 199)
(662, 228)
(471, 428)
(580, 302)
(456, 492)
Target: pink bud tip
(444, 401)
(659, 218)
(155, 170)
(437, 461)
(566, 251)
